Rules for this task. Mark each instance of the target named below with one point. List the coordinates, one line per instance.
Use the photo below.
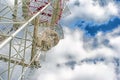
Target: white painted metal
(22, 27)
(19, 35)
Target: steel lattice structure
(27, 29)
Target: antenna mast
(26, 29)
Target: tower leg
(34, 48)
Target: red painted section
(49, 10)
(39, 8)
(46, 14)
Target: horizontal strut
(13, 60)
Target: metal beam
(22, 27)
(12, 22)
(35, 33)
(12, 60)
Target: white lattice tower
(26, 28)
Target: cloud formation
(74, 57)
(93, 10)
(83, 72)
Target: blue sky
(91, 27)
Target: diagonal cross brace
(22, 27)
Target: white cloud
(83, 72)
(91, 10)
(74, 45)
(93, 72)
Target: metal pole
(34, 50)
(25, 32)
(9, 60)
(56, 11)
(15, 26)
(22, 27)
(25, 9)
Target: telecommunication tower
(27, 28)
